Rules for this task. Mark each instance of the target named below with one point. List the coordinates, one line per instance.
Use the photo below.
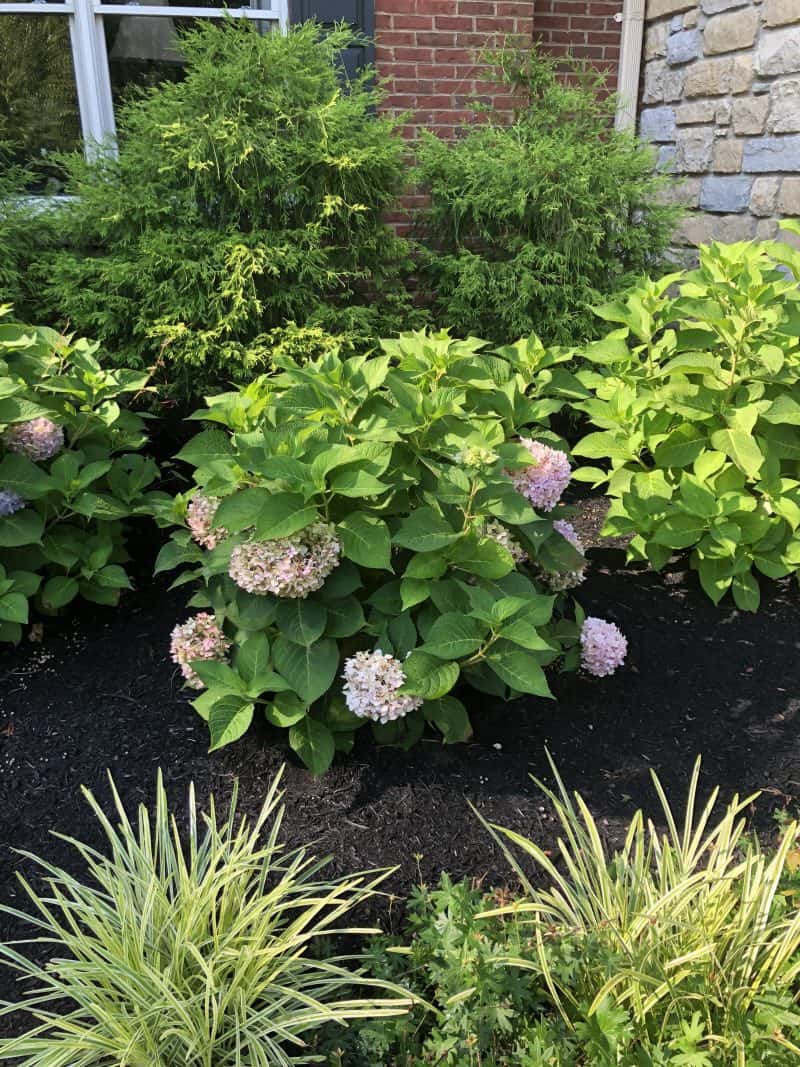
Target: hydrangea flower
(371, 681)
(603, 647)
(200, 517)
(198, 638)
(543, 483)
(10, 502)
(497, 532)
(562, 580)
(38, 439)
(288, 566)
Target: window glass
(142, 51)
(38, 99)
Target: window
(65, 64)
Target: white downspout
(630, 62)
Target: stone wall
(721, 100)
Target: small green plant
(195, 951)
(694, 400)
(69, 473)
(531, 222)
(250, 193)
(380, 521)
(677, 941)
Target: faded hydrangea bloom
(289, 566)
(198, 638)
(371, 681)
(543, 483)
(200, 517)
(38, 439)
(475, 456)
(10, 502)
(603, 647)
(497, 532)
(562, 580)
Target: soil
(98, 692)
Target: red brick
(455, 22)
(404, 21)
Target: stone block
(760, 87)
(766, 155)
(666, 158)
(713, 7)
(683, 47)
(730, 32)
(657, 9)
(695, 146)
(657, 124)
(778, 51)
(766, 229)
(723, 112)
(695, 230)
(727, 158)
(695, 112)
(779, 12)
(717, 77)
(655, 41)
(685, 192)
(730, 228)
(725, 195)
(784, 116)
(750, 114)
(789, 197)
(690, 19)
(661, 83)
(764, 196)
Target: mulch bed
(99, 692)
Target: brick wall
(428, 49)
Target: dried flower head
(10, 502)
(288, 566)
(38, 439)
(198, 638)
(497, 532)
(543, 483)
(603, 647)
(200, 520)
(562, 580)
(371, 681)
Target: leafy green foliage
(406, 457)
(248, 194)
(66, 539)
(192, 952)
(533, 221)
(678, 941)
(694, 397)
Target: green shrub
(189, 952)
(249, 194)
(531, 222)
(695, 400)
(357, 504)
(69, 473)
(677, 941)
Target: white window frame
(90, 56)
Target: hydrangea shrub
(69, 473)
(369, 534)
(695, 397)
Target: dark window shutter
(360, 14)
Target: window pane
(38, 99)
(145, 50)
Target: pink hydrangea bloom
(198, 638)
(497, 532)
(371, 681)
(544, 482)
(603, 647)
(38, 439)
(200, 518)
(559, 581)
(288, 566)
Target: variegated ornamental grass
(198, 952)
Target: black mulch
(100, 692)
